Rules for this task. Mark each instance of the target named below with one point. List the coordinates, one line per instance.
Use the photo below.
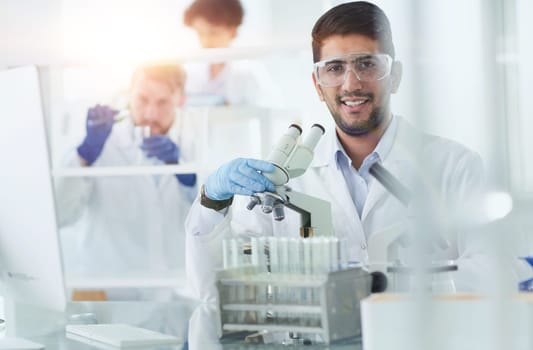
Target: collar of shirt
(381, 151)
(358, 180)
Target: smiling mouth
(352, 103)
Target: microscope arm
(315, 213)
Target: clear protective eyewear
(366, 67)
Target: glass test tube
(139, 133)
(283, 250)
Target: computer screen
(30, 257)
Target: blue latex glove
(165, 149)
(240, 176)
(99, 123)
(162, 147)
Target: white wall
(31, 31)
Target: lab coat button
(363, 246)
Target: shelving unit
(127, 170)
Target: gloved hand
(162, 147)
(240, 176)
(165, 149)
(99, 123)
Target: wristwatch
(213, 204)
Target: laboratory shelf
(133, 170)
(302, 309)
(272, 328)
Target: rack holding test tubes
(297, 287)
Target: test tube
(316, 256)
(283, 251)
(261, 296)
(307, 292)
(139, 133)
(262, 254)
(274, 254)
(334, 254)
(307, 268)
(295, 257)
(295, 271)
(234, 257)
(343, 253)
(254, 247)
(325, 243)
(283, 247)
(225, 253)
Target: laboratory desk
(455, 322)
(187, 319)
(58, 341)
(171, 317)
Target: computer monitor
(31, 273)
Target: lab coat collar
(400, 160)
(406, 139)
(381, 151)
(325, 153)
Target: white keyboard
(119, 335)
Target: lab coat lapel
(396, 162)
(377, 192)
(334, 183)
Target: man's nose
(151, 113)
(351, 81)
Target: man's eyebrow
(363, 57)
(335, 60)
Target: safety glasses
(366, 67)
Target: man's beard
(375, 120)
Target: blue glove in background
(99, 123)
(240, 176)
(166, 150)
(162, 147)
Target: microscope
(291, 290)
(292, 160)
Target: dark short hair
(358, 17)
(172, 75)
(228, 13)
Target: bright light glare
(124, 31)
(497, 205)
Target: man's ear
(181, 99)
(317, 87)
(234, 33)
(396, 75)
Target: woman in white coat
(130, 223)
(235, 82)
(355, 74)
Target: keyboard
(119, 335)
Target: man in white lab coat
(355, 74)
(235, 82)
(128, 224)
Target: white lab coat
(128, 223)
(240, 83)
(453, 172)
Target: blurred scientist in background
(241, 82)
(130, 223)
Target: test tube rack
(324, 306)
